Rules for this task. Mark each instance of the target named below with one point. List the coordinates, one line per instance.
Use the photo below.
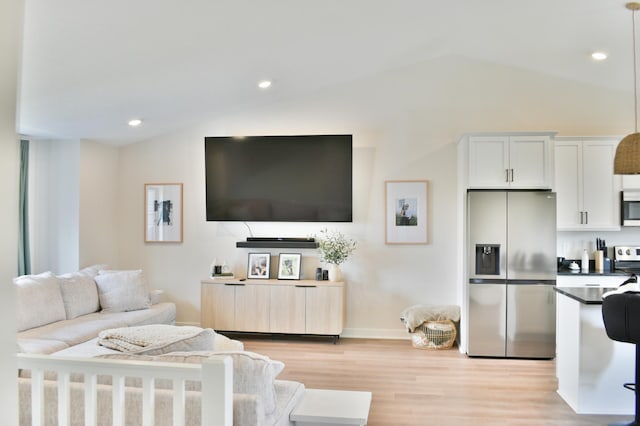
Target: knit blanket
(137, 339)
(417, 314)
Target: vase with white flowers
(335, 249)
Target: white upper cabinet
(587, 190)
(509, 162)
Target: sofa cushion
(40, 346)
(74, 331)
(121, 291)
(161, 313)
(38, 300)
(79, 294)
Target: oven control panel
(626, 253)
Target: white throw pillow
(38, 300)
(121, 291)
(79, 294)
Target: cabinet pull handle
(236, 284)
(507, 175)
(586, 218)
(306, 286)
(511, 175)
(581, 218)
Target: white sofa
(62, 316)
(55, 313)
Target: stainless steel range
(627, 258)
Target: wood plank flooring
(428, 387)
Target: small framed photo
(163, 213)
(289, 266)
(259, 264)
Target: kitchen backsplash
(570, 243)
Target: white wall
(54, 195)
(10, 30)
(406, 125)
(98, 203)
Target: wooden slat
(179, 398)
(37, 397)
(90, 399)
(217, 392)
(118, 400)
(148, 399)
(64, 400)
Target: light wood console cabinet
(274, 306)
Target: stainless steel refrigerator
(512, 271)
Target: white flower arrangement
(335, 247)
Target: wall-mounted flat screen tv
(279, 178)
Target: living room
(406, 122)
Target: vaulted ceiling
(88, 67)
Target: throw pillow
(38, 300)
(79, 294)
(121, 291)
(93, 270)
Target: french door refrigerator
(512, 272)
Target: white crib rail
(215, 374)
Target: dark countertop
(584, 295)
(592, 273)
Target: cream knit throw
(135, 339)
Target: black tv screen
(279, 178)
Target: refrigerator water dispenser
(487, 259)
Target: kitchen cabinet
(509, 161)
(588, 192)
(274, 306)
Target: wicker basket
(434, 335)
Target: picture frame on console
(406, 212)
(289, 266)
(259, 265)
(163, 212)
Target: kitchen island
(591, 368)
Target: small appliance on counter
(630, 207)
(627, 259)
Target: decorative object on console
(627, 159)
(335, 249)
(163, 213)
(259, 265)
(406, 218)
(289, 266)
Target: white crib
(215, 375)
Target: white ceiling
(90, 66)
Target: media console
(304, 307)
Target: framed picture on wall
(289, 266)
(259, 264)
(163, 212)
(406, 212)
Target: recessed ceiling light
(264, 84)
(135, 122)
(599, 56)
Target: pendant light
(627, 160)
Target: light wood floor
(428, 387)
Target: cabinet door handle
(581, 218)
(306, 286)
(235, 284)
(586, 218)
(511, 175)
